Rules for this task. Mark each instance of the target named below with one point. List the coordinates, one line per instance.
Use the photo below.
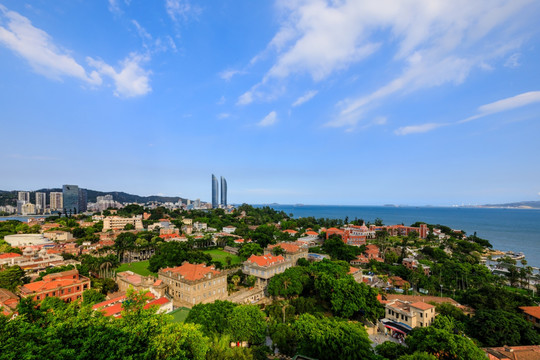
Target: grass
(180, 314)
(220, 255)
(140, 268)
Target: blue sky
(317, 102)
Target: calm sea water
(507, 229)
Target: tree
(284, 336)
(174, 253)
(235, 280)
(212, 317)
(247, 323)
(278, 250)
(250, 249)
(92, 296)
(11, 277)
(331, 338)
(439, 339)
(499, 327)
(129, 227)
(390, 350)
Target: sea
(516, 230)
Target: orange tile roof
(352, 270)
(422, 305)
(192, 271)
(265, 260)
(49, 285)
(159, 302)
(109, 302)
(9, 255)
(288, 247)
(112, 310)
(311, 233)
(534, 311)
(290, 231)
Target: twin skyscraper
(215, 191)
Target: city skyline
(314, 102)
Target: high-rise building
(41, 202)
(20, 204)
(83, 200)
(56, 201)
(70, 194)
(24, 196)
(223, 192)
(215, 190)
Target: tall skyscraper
(223, 191)
(70, 194)
(215, 190)
(83, 200)
(56, 201)
(41, 202)
(24, 196)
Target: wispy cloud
(246, 98)
(224, 116)
(39, 49)
(130, 80)
(495, 107)
(114, 7)
(228, 74)
(513, 61)
(181, 9)
(305, 98)
(269, 119)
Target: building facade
(215, 190)
(23, 196)
(418, 314)
(223, 192)
(292, 251)
(70, 194)
(41, 202)
(118, 223)
(66, 285)
(192, 284)
(263, 267)
(56, 201)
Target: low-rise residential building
(126, 279)
(199, 226)
(118, 223)
(66, 285)
(22, 240)
(532, 314)
(401, 316)
(395, 230)
(371, 253)
(9, 259)
(352, 234)
(114, 306)
(8, 302)
(527, 352)
(192, 284)
(292, 251)
(58, 235)
(413, 264)
(228, 229)
(263, 267)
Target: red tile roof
(422, 305)
(534, 311)
(192, 271)
(159, 302)
(289, 231)
(109, 302)
(311, 233)
(9, 255)
(287, 246)
(265, 260)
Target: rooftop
(265, 260)
(534, 311)
(192, 271)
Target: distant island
(514, 205)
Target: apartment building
(66, 285)
(118, 223)
(191, 284)
(263, 267)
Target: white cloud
(305, 98)
(509, 103)
(38, 48)
(228, 74)
(431, 43)
(246, 98)
(269, 119)
(181, 9)
(114, 7)
(415, 129)
(513, 61)
(130, 80)
(224, 116)
(222, 100)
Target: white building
(18, 240)
(56, 201)
(118, 223)
(24, 196)
(41, 202)
(28, 209)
